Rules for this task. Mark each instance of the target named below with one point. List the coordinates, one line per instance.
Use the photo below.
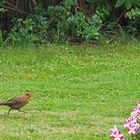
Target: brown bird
(18, 102)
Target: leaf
(119, 3)
(128, 4)
(137, 3)
(106, 11)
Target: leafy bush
(68, 22)
(58, 23)
(88, 30)
(127, 3)
(68, 26)
(134, 20)
(22, 32)
(30, 30)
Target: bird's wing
(14, 101)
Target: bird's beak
(30, 94)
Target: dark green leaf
(119, 3)
(128, 4)
(137, 3)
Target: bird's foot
(22, 111)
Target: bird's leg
(9, 111)
(21, 111)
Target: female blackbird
(18, 102)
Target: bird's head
(28, 94)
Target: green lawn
(79, 92)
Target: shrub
(68, 26)
(134, 19)
(30, 30)
(71, 20)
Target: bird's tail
(3, 103)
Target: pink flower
(138, 104)
(130, 121)
(136, 113)
(131, 125)
(132, 129)
(116, 134)
(113, 130)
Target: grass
(78, 92)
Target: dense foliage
(75, 21)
